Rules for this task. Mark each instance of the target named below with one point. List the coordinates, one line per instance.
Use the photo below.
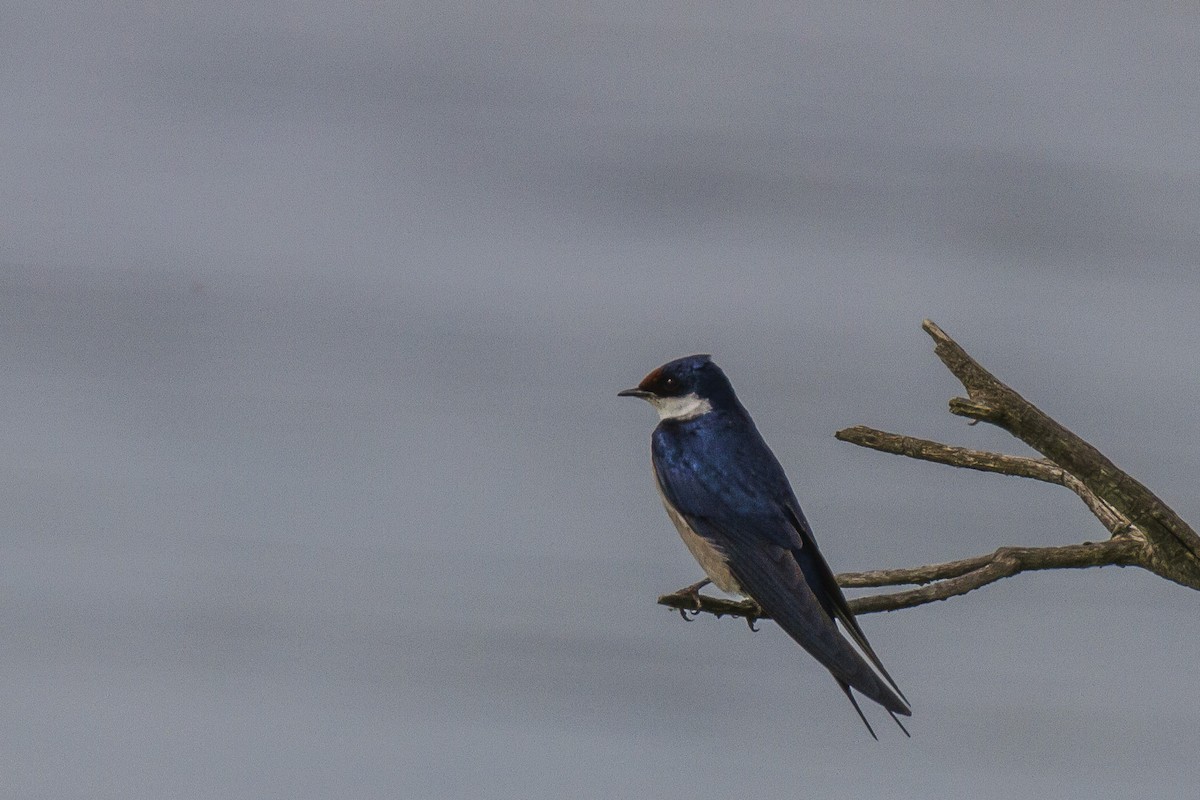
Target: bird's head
(685, 388)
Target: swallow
(733, 506)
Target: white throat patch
(689, 406)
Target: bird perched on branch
(732, 504)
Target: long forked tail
(850, 696)
(898, 722)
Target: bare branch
(942, 581)
(1174, 551)
(1038, 469)
(963, 576)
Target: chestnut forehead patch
(650, 380)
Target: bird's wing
(731, 512)
(821, 577)
(709, 493)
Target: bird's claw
(692, 592)
(753, 616)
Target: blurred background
(314, 481)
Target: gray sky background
(312, 318)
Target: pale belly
(711, 560)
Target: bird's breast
(708, 555)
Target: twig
(1038, 469)
(964, 576)
(941, 581)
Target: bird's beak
(642, 393)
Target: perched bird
(732, 504)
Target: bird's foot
(693, 592)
